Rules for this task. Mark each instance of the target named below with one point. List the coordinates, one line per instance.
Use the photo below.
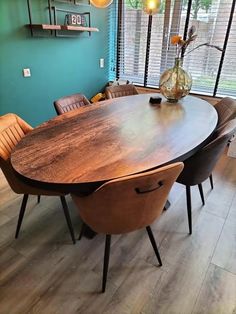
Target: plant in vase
(176, 83)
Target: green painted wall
(59, 66)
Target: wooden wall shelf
(63, 27)
(57, 21)
(73, 2)
(79, 28)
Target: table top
(115, 138)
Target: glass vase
(175, 83)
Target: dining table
(79, 150)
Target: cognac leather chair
(199, 167)
(128, 204)
(226, 109)
(12, 130)
(120, 91)
(69, 103)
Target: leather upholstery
(129, 203)
(200, 166)
(120, 91)
(12, 130)
(226, 109)
(69, 103)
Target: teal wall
(59, 66)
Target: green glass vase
(175, 83)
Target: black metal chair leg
(67, 215)
(38, 199)
(21, 214)
(82, 231)
(154, 245)
(211, 181)
(189, 207)
(106, 261)
(201, 193)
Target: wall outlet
(26, 73)
(101, 62)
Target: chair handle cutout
(142, 191)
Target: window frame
(148, 42)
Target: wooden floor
(42, 272)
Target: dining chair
(69, 103)
(127, 204)
(226, 109)
(120, 91)
(199, 167)
(12, 130)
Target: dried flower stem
(182, 45)
(206, 44)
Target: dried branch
(191, 31)
(206, 44)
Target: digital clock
(75, 19)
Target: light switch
(101, 63)
(26, 73)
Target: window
(227, 82)
(144, 51)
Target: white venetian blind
(210, 17)
(227, 83)
(132, 44)
(170, 21)
(211, 26)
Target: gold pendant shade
(151, 7)
(101, 3)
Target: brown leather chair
(226, 109)
(199, 167)
(12, 130)
(128, 204)
(120, 91)
(69, 103)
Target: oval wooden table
(79, 150)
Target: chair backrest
(12, 130)
(226, 109)
(69, 103)
(120, 91)
(200, 166)
(129, 203)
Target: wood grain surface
(112, 139)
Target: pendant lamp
(151, 7)
(101, 3)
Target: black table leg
(167, 205)
(88, 232)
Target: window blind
(212, 74)
(112, 18)
(211, 26)
(170, 21)
(227, 82)
(132, 43)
